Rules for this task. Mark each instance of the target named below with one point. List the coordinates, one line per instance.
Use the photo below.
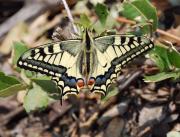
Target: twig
(70, 15)
(116, 110)
(12, 115)
(28, 12)
(162, 32)
(125, 84)
(22, 15)
(125, 20)
(58, 116)
(90, 121)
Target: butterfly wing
(113, 52)
(57, 60)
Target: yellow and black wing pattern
(57, 60)
(63, 60)
(113, 52)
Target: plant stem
(162, 32)
(69, 15)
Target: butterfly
(85, 63)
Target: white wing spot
(20, 63)
(128, 59)
(142, 50)
(30, 65)
(34, 67)
(29, 57)
(137, 53)
(151, 45)
(142, 43)
(25, 64)
(103, 87)
(113, 76)
(146, 47)
(124, 62)
(61, 83)
(66, 89)
(133, 55)
(40, 68)
(108, 81)
(52, 73)
(58, 75)
(45, 70)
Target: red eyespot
(91, 81)
(80, 83)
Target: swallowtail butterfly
(87, 63)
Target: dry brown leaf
(149, 113)
(114, 128)
(39, 27)
(15, 34)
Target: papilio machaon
(87, 63)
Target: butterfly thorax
(87, 61)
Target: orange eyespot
(80, 83)
(91, 82)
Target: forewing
(113, 52)
(52, 59)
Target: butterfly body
(86, 63)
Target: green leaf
(112, 91)
(85, 21)
(36, 98)
(12, 90)
(141, 11)
(48, 86)
(162, 76)
(18, 49)
(160, 55)
(174, 58)
(9, 85)
(99, 28)
(173, 134)
(102, 12)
